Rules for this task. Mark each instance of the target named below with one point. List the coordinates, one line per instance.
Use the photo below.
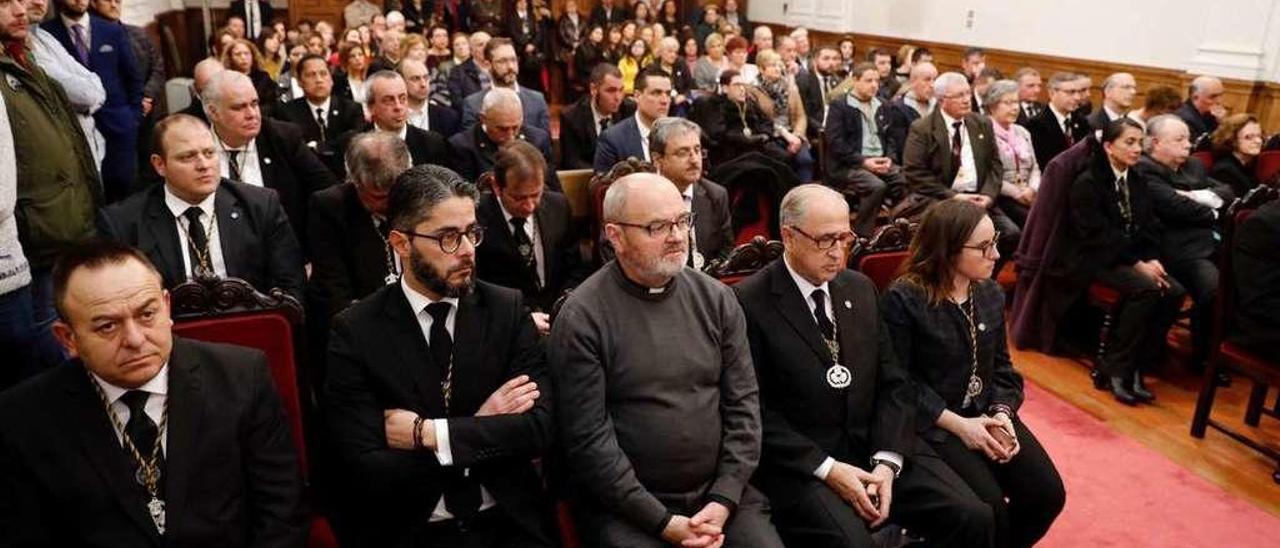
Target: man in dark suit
(608, 13)
(504, 69)
(388, 107)
(472, 75)
(815, 85)
(629, 138)
(262, 151)
(501, 121)
(1256, 259)
(256, 15)
(164, 440)
(676, 146)
(918, 101)
(321, 115)
(200, 76)
(582, 124)
(839, 424)
(424, 114)
(198, 224)
(951, 155)
(1203, 110)
(103, 47)
(858, 158)
(1030, 87)
(436, 394)
(1060, 125)
(1118, 91)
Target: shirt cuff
(889, 456)
(824, 468)
(444, 453)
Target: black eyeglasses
(662, 228)
(845, 239)
(451, 240)
(987, 246)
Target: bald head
(1206, 93)
(204, 71)
(628, 197)
(1118, 91)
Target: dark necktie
(1066, 132)
(461, 495)
(825, 326)
(82, 48)
(525, 246)
(324, 129)
(604, 124)
(141, 430)
(197, 243)
(957, 144)
(1126, 210)
(233, 162)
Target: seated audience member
(882, 60)
(779, 98)
(968, 391)
(1187, 205)
(472, 75)
(501, 121)
(123, 474)
(972, 63)
(262, 151)
(630, 138)
(424, 114)
(735, 50)
(1256, 261)
(676, 145)
(321, 115)
(201, 225)
(858, 158)
(353, 72)
(1030, 90)
(952, 154)
(1021, 179)
(815, 85)
(243, 56)
(734, 123)
(352, 257)
(633, 59)
(1112, 236)
(587, 55)
(532, 245)
(1118, 91)
(1236, 144)
(1059, 126)
(438, 438)
(607, 13)
(665, 429)
(917, 101)
(706, 72)
(666, 57)
(1084, 101)
(980, 84)
(387, 109)
(459, 53)
(203, 72)
(504, 69)
(582, 124)
(902, 72)
(761, 41)
(1203, 110)
(1159, 100)
(388, 51)
(837, 409)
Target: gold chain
(150, 467)
(203, 256)
(967, 310)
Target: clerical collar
(639, 290)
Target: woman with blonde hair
(241, 55)
(781, 102)
(706, 72)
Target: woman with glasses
(1236, 145)
(946, 319)
(1021, 179)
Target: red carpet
(1120, 493)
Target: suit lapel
(468, 346)
(977, 143)
(544, 235)
(160, 239)
(233, 230)
(185, 417)
(791, 304)
(942, 134)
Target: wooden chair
(745, 259)
(1263, 370)
(880, 257)
(231, 311)
(1267, 167)
(574, 182)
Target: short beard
(439, 284)
(661, 267)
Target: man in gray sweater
(660, 410)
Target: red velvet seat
(1267, 166)
(1205, 157)
(881, 256)
(882, 268)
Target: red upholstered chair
(1205, 157)
(745, 259)
(1267, 166)
(881, 256)
(1263, 370)
(231, 311)
(760, 228)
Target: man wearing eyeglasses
(652, 358)
(840, 449)
(1060, 126)
(435, 392)
(676, 145)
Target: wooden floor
(1165, 426)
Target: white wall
(1231, 38)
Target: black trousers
(1014, 210)
(748, 527)
(1010, 234)
(492, 528)
(1139, 330)
(1200, 278)
(929, 500)
(872, 191)
(1029, 481)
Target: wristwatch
(897, 470)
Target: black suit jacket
(1188, 227)
(349, 261)
(844, 135)
(712, 222)
(1047, 137)
(425, 147)
(805, 419)
(290, 168)
(343, 116)
(617, 16)
(231, 473)
(898, 117)
(464, 80)
(578, 135)
(926, 161)
(812, 98)
(1201, 125)
(1256, 261)
(473, 152)
(378, 359)
(257, 244)
(443, 120)
(1094, 238)
(1029, 110)
(265, 12)
(499, 262)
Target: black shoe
(1140, 389)
(1121, 392)
(1099, 380)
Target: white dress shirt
(209, 219)
(644, 136)
(421, 118)
(158, 390)
(530, 230)
(1061, 118)
(967, 175)
(596, 118)
(806, 291)
(444, 453)
(250, 171)
(83, 21)
(323, 107)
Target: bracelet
(1001, 408)
(890, 464)
(417, 432)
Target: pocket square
(106, 48)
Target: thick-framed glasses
(828, 241)
(451, 240)
(986, 247)
(663, 228)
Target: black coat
(349, 260)
(473, 152)
(722, 126)
(1095, 238)
(265, 12)
(379, 359)
(805, 419)
(231, 473)
(464, 80)
(844, 136)
(1228, 169)
(499, 262)
(898, 117)
(1201, 125)
(712, 223)
(344, 115)
(578, 134)
(290, 168)
(1047, 137)
(1188, 228)
(813, 99)
(1256, 261)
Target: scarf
(1012, 145)
(778, 93)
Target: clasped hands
(704, 529)
(869, 493)
(512, 398)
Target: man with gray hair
(1203, 109)
(676, 147)
(840, 450)
(351, 257)
(502, 119)
(664, 432)
(1118, 91)
(904, 110)
(1061, 125)
(262, 151)
(387, 106)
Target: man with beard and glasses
(435, 391)
(653, 359)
